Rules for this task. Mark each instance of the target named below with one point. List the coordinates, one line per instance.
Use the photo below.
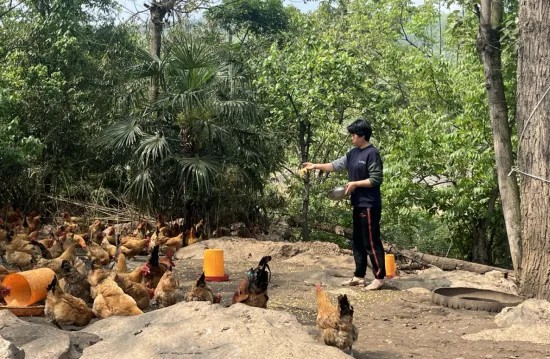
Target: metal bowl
(337, 193)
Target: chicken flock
(99, 285)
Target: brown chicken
(201, 292)
(138, 291)
(110, 299)
(24, 259)
(194, 235)
(167, 291)
(64, 309)
(4, 272)
(109, 248)
(14, 218)
(77, 239)
(160, 222)
(121, 266)
(57, 248)
(33, 221)
(72, 224)
(253, 289)
(135, 276)
(132, 247)
(48, 242)
(95, 227)
(143, 229)
(167, 260)
(336, 322)
(19, 242)
(173, 244)
(98, 255)
(55, 264)
(110, 235)
(153, 270)
(44, 252)
(76, 283)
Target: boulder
(531, 311)
(10, 351)
(42, 340)
(202, 330)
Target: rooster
(336, 322)
(253, 290)
(194, 235)
(153, 270)
(201, 292)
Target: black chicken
(253, 290)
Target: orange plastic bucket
(391, 269)
(28, 287)
(213, 265)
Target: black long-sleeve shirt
(363, 164)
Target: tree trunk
(489, 47)
(480, 252)
(482, 244)
(158, 12)
(304, 139)
(534, 145)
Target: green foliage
(260, 17)
(74, 113)
(429, 113)
(62, 65)
(204, 128)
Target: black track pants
(366, 242)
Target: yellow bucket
(28, 287)
(213, 263)
(391, 269)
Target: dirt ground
(397, 322)
(393, 323)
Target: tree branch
(10, 9)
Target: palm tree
(204, 124)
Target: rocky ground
(398, 322)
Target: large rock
(527, 322)
(531, 311)
(39, 341)
(10, 351)
(202, 330)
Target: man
(364, 167)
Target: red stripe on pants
(372, 243)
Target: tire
(474, 299)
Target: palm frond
(210, 130)
(189, 53)
(142, 186)
(122, 134)
(153, 148)
(146, 65)
(232, 77)
(198, 171)
(237, 110)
